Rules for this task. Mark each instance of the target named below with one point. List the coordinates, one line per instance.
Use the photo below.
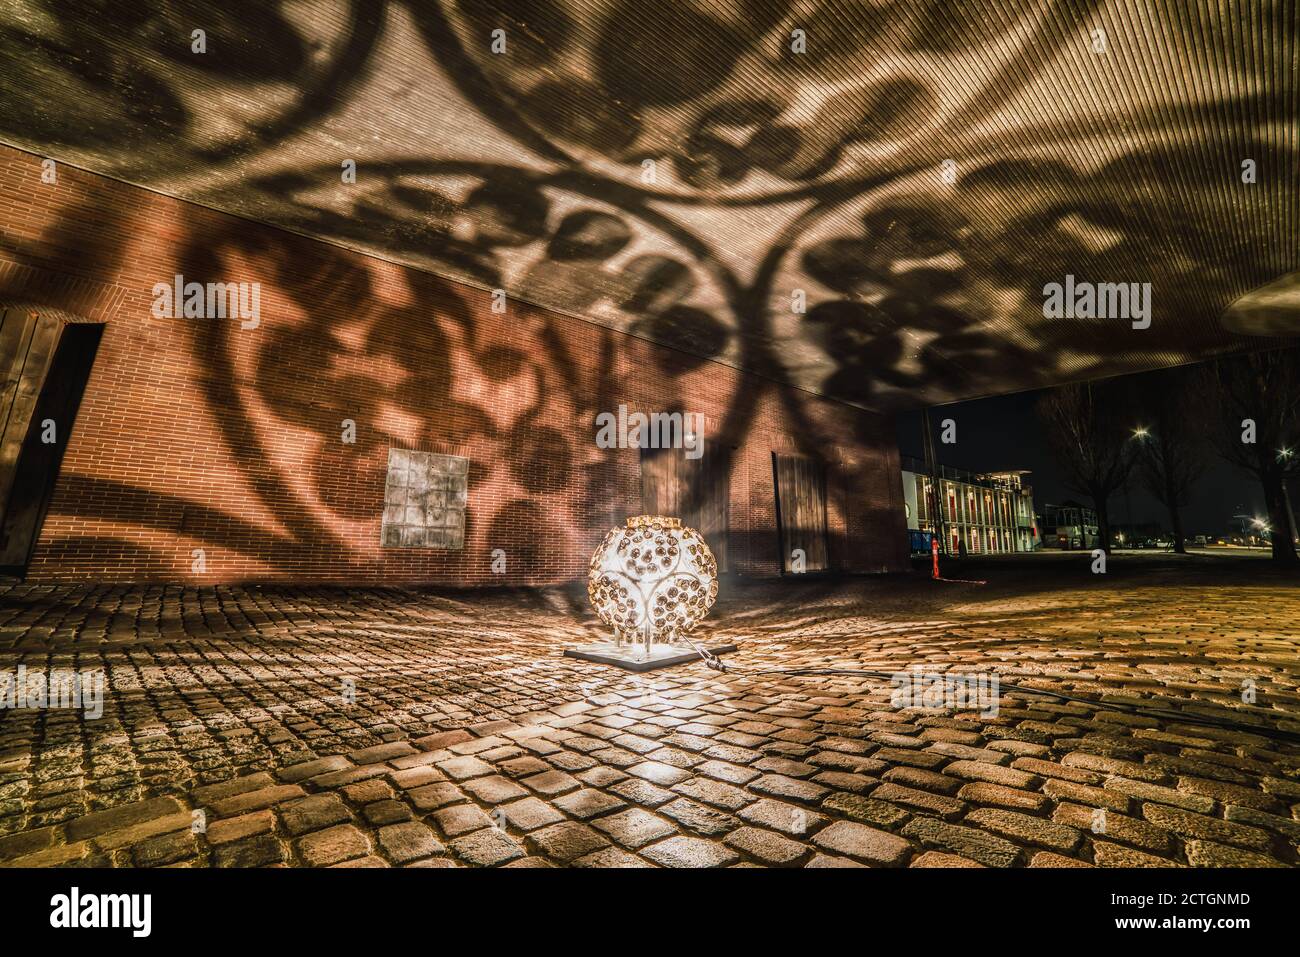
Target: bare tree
(1089, 429)
(1259, 399)
(1172, 441)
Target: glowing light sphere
(652, 580)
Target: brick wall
(198, 434)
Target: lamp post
(1284, 455)
(1140, 433)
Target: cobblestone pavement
(469, 740)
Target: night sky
(1003, 433)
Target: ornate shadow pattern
(615, 149)
(911, 176)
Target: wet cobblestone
(265, 725)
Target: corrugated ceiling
(864, 199)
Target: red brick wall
(197, 434)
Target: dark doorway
(694, 490)
(801, 511)
(48, 375)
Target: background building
(986, 513)
(1069, 525)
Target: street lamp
(1140, 432)
(1263, 526)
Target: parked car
(1201, 540)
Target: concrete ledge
(629, 657)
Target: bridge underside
(863, 201)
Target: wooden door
(801, 510)
(27, 341)
(694, 490)
(54, 369)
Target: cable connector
(710, 659)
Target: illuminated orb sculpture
(652, 580)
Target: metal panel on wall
(425, 497)
(694, 490)
(801, 511)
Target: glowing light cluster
(654, 579)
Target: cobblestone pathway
(387, 727)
